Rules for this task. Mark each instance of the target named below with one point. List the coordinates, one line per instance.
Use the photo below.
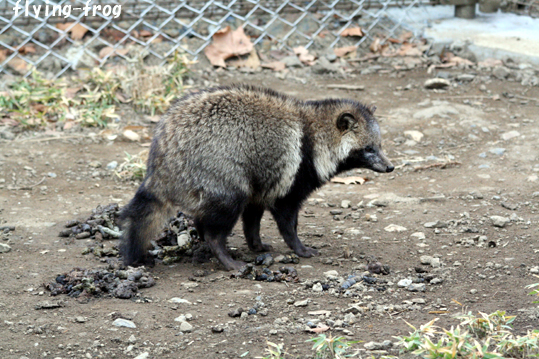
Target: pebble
(386, 344)
(418, 235)
(501, 72)
(4, 248)
(51, 175)
(292, 61)
(436, 224)
(142, 355)
(509, 135)
(417, 287)
(534, 270)
(436, 281)
(466, 77)
(499, 221)
(217, 329)
(395, 228)
(414, 135)
(436, 83)
(186, 327)
(317, 287)
(497, 151)
(120, 322)
(403, 283)
(112, 165)
(302, 303)
(345, 203)
(132, 339)
(235, 313)
(179, 301)
(80, 319)
(336, 212)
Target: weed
(134, 166)
(274, 351)
(486, 336)
(331, 348)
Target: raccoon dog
(240, 150)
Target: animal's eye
(369, 149)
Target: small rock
(324, 66)
(414, 135)
(426, 259)
(80, 319)
(112, 165)
(132, 339)
(417, 287)
(317, 287)
(403, 283)
(302, 303)
(465, 77)
(235, 313)
(386, 344)
(131, 135)
(497, 151)
(51, 175)
(418, 235)
(4, 248)
(436, 224)
(345, 203)
(179, 301)
(217, 329)
(436, 83)
(48, 305)
(120, 322)
(534, 270)
(291, 61)
(144, 355)
(335, 212)
(186, 327)
(509, 135)
(499, 221)
(331, 274)
(395, 228)
(501, 72)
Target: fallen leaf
(27, 49)
(77, 32)
(342, 51)
(409, 50)
(72, 91)
(39, 107)
(68, 125)
(405, 36)
(317, 330)
(348, 180)
(145, 33)
(3, 54)
(18, 64)
(375, 45)
(116, 35)
(304, 56)
(226, 44)
(275, 65)
(353, 31)
(110, 51)
(131, 135)
(252, 61)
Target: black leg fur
(252, 214)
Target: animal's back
(230, 139)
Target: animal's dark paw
(262, 247)
(307, 252)
(146, 261)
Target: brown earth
(476, 273)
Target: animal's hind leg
(215, 226)
(286, 217)
(252, 214)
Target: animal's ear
(346, 121)
(371, 108)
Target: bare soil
(476, 273)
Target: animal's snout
(390, 168)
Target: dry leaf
(348, 180)
(275, 65)
(116, 35)
(72, 91)
(131, 135)
(375, 45)
(27, 49)
(342, 51)
(18, 65)
(317, 330)
(145, 33)
(226, 44)
(39, 107)
(304, 56)
(77, 32)
(252, 61)
(3, 55)
(353, 31)
(409, 50)
(107, 51)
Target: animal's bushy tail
(141, 220)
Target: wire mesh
(44, 35)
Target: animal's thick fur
(228, 151)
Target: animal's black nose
(390, 168)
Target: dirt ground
(459, 174)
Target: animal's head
(360, 140)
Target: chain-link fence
(55, 37)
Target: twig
(441, 165)
(28, 187)
(51, 138)
(526, 98)
(346, 87)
